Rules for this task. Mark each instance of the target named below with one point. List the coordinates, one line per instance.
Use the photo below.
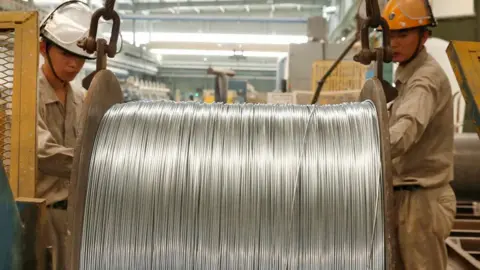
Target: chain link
(382, 54)
(91, 44)
(109, 5)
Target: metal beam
(213, 46)
(214, 19)
(163, 5)
(241, 77)
(183, 65)
(458, 258)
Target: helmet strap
(417, 49)
(49, 59)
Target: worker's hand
(391, 92)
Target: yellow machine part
(18, 99)
(209, 96)
(465, 60)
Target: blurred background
(271, 46)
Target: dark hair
(429, 31)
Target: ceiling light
(329, 9)
(146, 37)
(219, 53)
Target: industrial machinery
(104, 92)
(464, 58)
(221, 83)
(135, 89)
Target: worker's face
(405, 43)
(66, 65)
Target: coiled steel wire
(197, 186)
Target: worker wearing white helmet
(59, 109)
(421, 139)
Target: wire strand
(214, 186)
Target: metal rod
(321, 82)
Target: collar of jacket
(49, 93)
(403, 73)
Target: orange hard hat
(407, 14)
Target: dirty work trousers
(425, 218)
(57, 228)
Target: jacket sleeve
(53, 158)
(413, 114)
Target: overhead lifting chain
(366, 55)
(380, 54)
(91, 44)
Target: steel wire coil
(198, 186)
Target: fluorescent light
(329, 9)
(219, 53)
(92, 66)
(146, 37)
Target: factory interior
(237, 134)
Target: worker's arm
(413, 115)
(53, 159)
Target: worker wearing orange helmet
(421, 139)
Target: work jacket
(57, 134)
(421, 124)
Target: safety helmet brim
(49, 42)
(66, 25)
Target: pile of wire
(198, 186)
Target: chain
(382, 54)
(91, 44)
(109, 5)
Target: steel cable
(197, 186)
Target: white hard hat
(66, 25)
